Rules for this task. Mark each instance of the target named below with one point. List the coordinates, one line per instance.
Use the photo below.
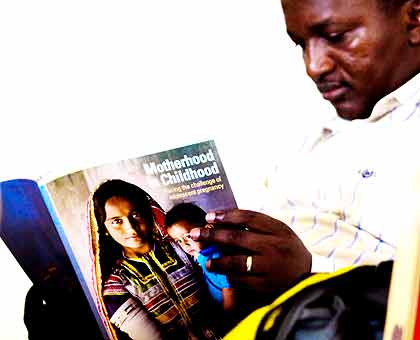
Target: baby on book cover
(125, 226)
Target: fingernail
(214, 216)
(195, 233)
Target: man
(352, 198)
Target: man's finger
(246, 240)
(259, 284)
(237, 264)
(252, 219)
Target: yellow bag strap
(247, 328)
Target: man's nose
(318, 62)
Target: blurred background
(88, 82)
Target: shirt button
(367, 173)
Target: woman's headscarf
(104, 250)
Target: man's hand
(265, 255)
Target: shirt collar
(408, 90)
(392, 101)
(383, 108)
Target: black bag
(347, 304)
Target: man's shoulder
(322, 133)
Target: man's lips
(332, 91)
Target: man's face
(352, 50)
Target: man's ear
(413, 21)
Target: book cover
(193, 174)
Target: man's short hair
(390, 6)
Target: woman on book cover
(146, 286)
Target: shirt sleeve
(321, 264)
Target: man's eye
(335, 37)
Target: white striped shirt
(355, 186)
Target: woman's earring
(106, 234)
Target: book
(44, 223)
